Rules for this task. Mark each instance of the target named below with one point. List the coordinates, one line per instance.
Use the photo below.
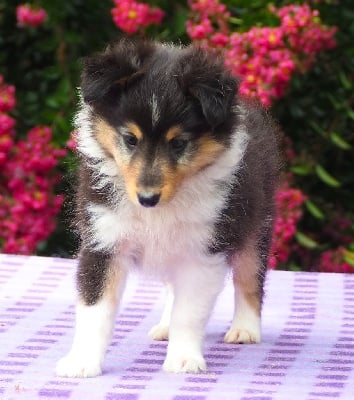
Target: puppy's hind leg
(100, 285)
(248, 276)
(160, 331)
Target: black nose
(148, 199)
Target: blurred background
(296, 57)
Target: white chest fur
(154, 238)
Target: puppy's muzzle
(148, 199)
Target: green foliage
(318, 116)
(248, 13)
(43, 62)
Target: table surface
(307, 352)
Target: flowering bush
(30, 16)
(267, 57)
(28, 205)
(279, 52)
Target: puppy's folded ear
(106, 74)
(204, 77)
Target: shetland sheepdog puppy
(176, 179)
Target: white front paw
(159, 332)
(185, 362)
(77, 366)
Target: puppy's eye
(130, 140)
(178, 145)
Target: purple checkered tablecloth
(307, 351)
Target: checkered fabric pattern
(307, 352)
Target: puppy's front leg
(195, 288)
(100, 285)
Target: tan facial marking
(131, 174)
(207, 152)
(135, 130)
(209, 149)
(106, 136)
(171, 181)
(173, 132)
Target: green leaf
(295, 268)
(235, 21)
(326, 177)
(48, 116)
(339, 141)
(52, 72)
(41, 245)
(296, 111)
(345, 81)
(350, 113)
(336, 103)
(52, 102)
(349, 257)
(305, 240)
(317, 128)
(314, 210)
(303, 169)
(179, 23)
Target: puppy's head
(162, 113)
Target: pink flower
(6, 142)
(130, 15)
(6, 124)
(333, 261)
(7, 98)
(155, 16)
(30, 16)
(71, 144)
(201, 30)
(208, 7)
(219, 39)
